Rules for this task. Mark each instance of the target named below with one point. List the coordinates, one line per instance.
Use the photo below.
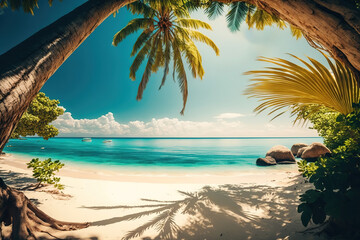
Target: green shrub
(44, 171)
(337, 178)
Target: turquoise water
(153, 152)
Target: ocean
(154, 153)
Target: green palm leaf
(167, 59)
(237, 14)
(147, 72)
(144, 36)
(140, 58)
(181, 73)
(159, 57)
(288, 86)
(133, 26)
(214, 9)
(139, 7)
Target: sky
(94, 87)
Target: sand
(224, 205)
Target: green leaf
(237, 14)
(305, 217)
(214, 9)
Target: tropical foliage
(36, 119)
(329, 99)
(44, 171)
(168, 34)
(286, 86)
(337, 178)
(238, 12)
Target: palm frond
(147, 71)
(144, 36)
(167, 59)
(133, 26)
(296, 32)
(181, 75)
(192, 23)
(140, 58)
(159, 57)
(198, 36)
(193, 58)
(139, 7)
(291, 87)
(214, 9)
(251, 10)
(181, 11)
(237, 14)
(260, 19)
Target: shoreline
(213, 175)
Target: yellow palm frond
(296, 32)
(192, 23)
(260, 19)
(287, 86)
(198, 36)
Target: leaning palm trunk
(23, 71)
(25, 68)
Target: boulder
(281, 154)
(314, 151)
(295, 148)
(300, 152)
(266, 161)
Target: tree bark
(334, 24)
(25, 219)
(25, 68)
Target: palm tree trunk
(25, 68)
(332, 24)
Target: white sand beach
(258, 204)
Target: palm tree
(254, 17)
(288, 86)
(168, 34)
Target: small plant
(44, 171)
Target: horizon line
(176, 137)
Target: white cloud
(227, 126)
(229, 115)
(102, 126)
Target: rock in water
(300, 152)
(266, 161)
(295, 148)
(281, 154)
(314, 151)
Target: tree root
(25, 218)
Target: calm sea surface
(153, 152)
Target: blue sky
(94, 81)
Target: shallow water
(190, 153)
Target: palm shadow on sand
(225, 212)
